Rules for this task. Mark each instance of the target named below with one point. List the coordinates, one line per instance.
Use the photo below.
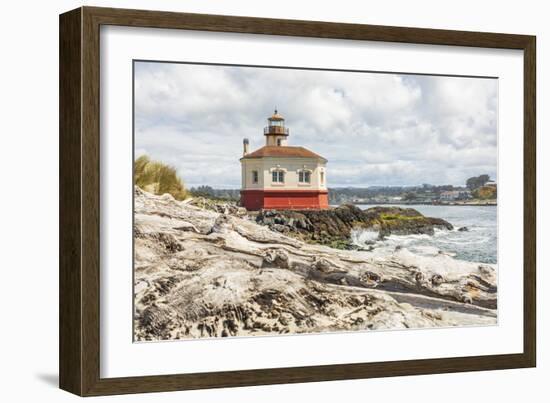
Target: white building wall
(273, 140)
(290, 166)
(247, 176)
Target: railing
(276, 130)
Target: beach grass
(158, 178)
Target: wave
(462, 245)
(362, 237)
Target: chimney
(245, 146)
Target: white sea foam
(443, 263)
(362, 237)
(477, 244)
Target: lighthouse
(279, 176)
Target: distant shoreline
(475, 204)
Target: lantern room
(275, 132)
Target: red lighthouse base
(284, 199)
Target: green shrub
(158, 178)
(485, 193)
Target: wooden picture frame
(79, 348)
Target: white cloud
(373, 128)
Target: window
(304, 176)
(254, 176)
(278, 176)
(322, 178)
(279, 142)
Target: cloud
(374, 128)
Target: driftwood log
(202, 273)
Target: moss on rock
(333, 227)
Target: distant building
(491, 184)
(279, 176)
(455, 195)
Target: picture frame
(80, 199)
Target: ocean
(478, 244)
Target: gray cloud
(375, 129)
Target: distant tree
(477, 181)
(444, 188)
(409, 196)
(212, 193)
(485, 192)
(204, 190)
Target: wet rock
(332, 227)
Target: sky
(375, 129)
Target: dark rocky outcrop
(333, 227)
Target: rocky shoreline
(333, 227)
(215, 272)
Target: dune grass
(158, 178)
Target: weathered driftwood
(200, 273)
